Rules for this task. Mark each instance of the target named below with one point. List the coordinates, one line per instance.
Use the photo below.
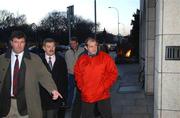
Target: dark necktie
(15, 76)
(50, 63)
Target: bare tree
(8, 19)
(55, 21)
(83, 28)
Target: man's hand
(55, 95)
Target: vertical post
(118, 21)
(34, 28)
(69, 22)
(70, 16)
(95, 18)
(69, 25)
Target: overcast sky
(35, 10)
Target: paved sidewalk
(128, 100)
(128, 103)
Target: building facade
(159, 41)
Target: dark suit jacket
(59, 75)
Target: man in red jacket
(95, 73)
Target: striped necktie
(50, 63)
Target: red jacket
(95, 76)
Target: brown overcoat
(36, 73)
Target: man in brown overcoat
(21, 74)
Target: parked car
(61, 49)
(82, 45)
(35, 49)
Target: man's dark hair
(18, 34)
(90, 39)
(49, 40)
(74, 39)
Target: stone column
(149, 46)
(147, 40)
(167, 72)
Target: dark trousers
(53, 113)
(71, 86)
(14, 113)
(104, 107)
(76, 110)
(61, 113)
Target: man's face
(74, 45)
(92, 47)
(18, 45)
(49, 48)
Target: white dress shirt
(53, 59)
(13, 60)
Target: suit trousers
(76, 109)
(104, 107)
(52, 113)
(61, 113)
(13, 113)
(71, 86)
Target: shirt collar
(74, 50)
(19, 55)
(92, 55)
(47, 56)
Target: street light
(117, 16)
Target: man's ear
(43, 47)
(10, 42)
(85, 47)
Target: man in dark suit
(56, 65)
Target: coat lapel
(7, 60)
(4, 69)
(5, 65)
(46, 63)
(56, 61)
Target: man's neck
(49, 55)
(75, 49)
(92, 54)
(15, 53)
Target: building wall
(167, 72)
